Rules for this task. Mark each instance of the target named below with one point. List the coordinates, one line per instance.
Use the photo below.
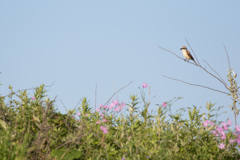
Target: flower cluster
(102, 110)
(144, 85)
(164, 104)
(114, 105)
(104, 129)
(207, 122)
(220, 132)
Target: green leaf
(70, 154)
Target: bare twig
(95, 96)
(177, 56)
(217, 74)
(196, 85)
(78, 103)
(213, 76)
(26, 90)
(198, 66)
(227, 57)
(192, 51)
(72, 140)
(117, 92)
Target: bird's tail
(195, 61)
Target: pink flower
(122, 105)
(102, 115)
(231, 141)
(223, 137)
(102, 128)
(219, 129)
(117, 109)
(100, 105)
(229, 122)
(222, 133)
(221, 146)
(33, 98)
(237, 129)
(105, 131)
(104, 120)
(212, 124)
(78, 114)
(98, 122)
(98, 110)
(164, 104)
(214, 132)
(205, 123)
(144, 85)
(115, 102)
(224, 126)
(105, 107)
(111, 106)
(73, 117)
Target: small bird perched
(187, 54)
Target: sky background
(81, 43)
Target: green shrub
(31, 128)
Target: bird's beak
(180, 48)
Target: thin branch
(196, 85)
(177, 56)
(229, 64)
(26, 90)
(72, 140)
(198, 66)
(213, 76)
(115, 89)
(192, 51)
(64, 105)
(227, 57)
(117, 92)
(216, 73)
(95, 96)
(78, 103)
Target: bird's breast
(185, 55)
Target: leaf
(70, 155)
(3, 124)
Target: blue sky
(79, 44)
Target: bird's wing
(189, 54)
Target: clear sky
(81, 43)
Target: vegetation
(31, 128)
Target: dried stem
(117, 92)
(95, 96)
(177, 56)
(217, 74)
(227, 57)
(197, 66)
(196, 85)
(27, 90)
(193, 52)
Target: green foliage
(66, 154)
(233, 89)
(31, 128)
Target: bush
(31, 128)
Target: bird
(187, 54)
